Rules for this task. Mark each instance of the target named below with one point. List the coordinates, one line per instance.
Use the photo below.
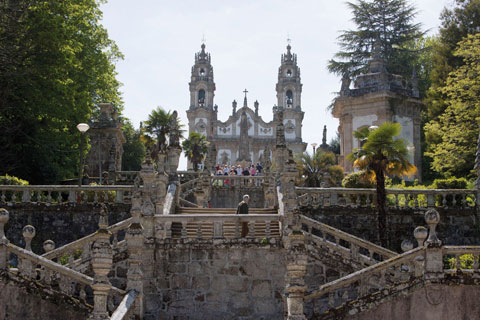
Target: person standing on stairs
(243, 209)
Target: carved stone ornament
(289, 127)
(224, 129)
(200, 126)
(265, 130)
(434, 294)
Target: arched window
(289, 73)
(201, 97)
(201, 72)
(289, 98)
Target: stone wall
(217, 279)
(457, 226)
(62, 224)
(22, 299)
(229, 197)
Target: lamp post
(314, 145)
(82, 127)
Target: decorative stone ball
(407, 245)
(28, 232)
(48, 245)
(432, 216)
(4, 216)
(420, 234)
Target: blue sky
(245, 39)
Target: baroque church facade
(245, 135)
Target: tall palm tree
(160, 124)
(318, 168)
(382, 155)
(195, 148)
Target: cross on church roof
(245, 91)
(245, 99)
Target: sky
(246, 38)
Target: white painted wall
(361, 121)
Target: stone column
(102, 258)
(135, 243)
(4, 216)
(296, 269)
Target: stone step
(188, 210)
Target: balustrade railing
(351, 247)
(212, 226)
(236, 181)
(67, 281)
(125, 177)
(461, 259)
(396, 198)
(76, 253)
(60, 194)
(402, 267)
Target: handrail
(49, 264)
(169, 205)
(346, 237)
(79, 243)
(125, 306)
(357, 276)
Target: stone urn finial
(28, 234)
(4, 216)
(407, 245)
(432, 218)
(420, 233)
(48, 245)
(103, 219)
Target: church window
(202, 72)
(201, 97)
(289, 73)
(289, 98)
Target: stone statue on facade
(346, 81)
(234, 107)
(243, 148)
(324, 144)
(174, 138)
(256, 104)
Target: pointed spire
(245, 99)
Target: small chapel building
(245, 135)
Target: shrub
(12, 181)
(336, 175)
(451, 183)
(357, 179)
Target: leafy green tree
(319, 170)
(456, 129)
(56, 64)
(458, 21)
(382, 155)
(388, 22)
(195, 148)
(133, 148)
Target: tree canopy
(456, 129)
(319, 170)
(195, 148)
(387, 22)
(56, 64)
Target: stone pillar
(289, 195)
(4, 216)
(102, 258)
(135, 243)
(433, 253)
(148, 210)
(202, 191)
(296, 269)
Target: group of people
(238, 170)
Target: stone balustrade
(461, 259)
(60, 194)
(218, 226)
(396, 198)
(236, 181)
(366, 281)
(125, 177)
(77, 252)
(364, 252)
(69, 282)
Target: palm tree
(195, 147)
(318, 168)
(160, 124)
(382, 155)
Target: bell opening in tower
(201, 97)
(289, 99)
